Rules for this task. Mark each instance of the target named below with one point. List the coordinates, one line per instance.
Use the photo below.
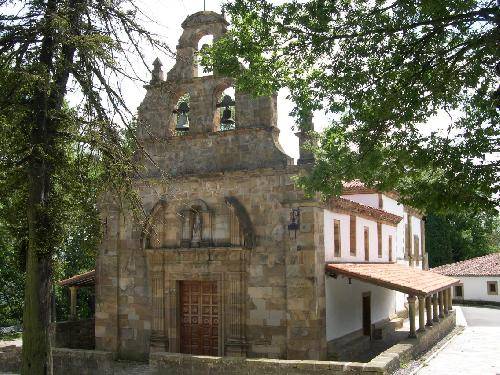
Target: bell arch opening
(179, 121)
(225, 109)
(204, 42)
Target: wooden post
(428, 308)
(411, 316)
(421, 314)
(72, 315)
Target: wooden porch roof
(394, 276)
(84, 279)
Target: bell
(182, 117)
(182, 122)
(226, 117)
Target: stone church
(233, 259)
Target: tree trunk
(47, 101)
(36, 359)
(36, 347)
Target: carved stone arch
(196, 216)
(159, 206)
(245, 224)
(161, 227)
(200, 24)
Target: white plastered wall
(475, 288)
(344, 305)
(345, 245)
(366, 199)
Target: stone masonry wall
(78, 334)
(272, 285)
(283, 277)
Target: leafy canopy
(382, 69)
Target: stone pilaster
(305, 289)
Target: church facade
(232, 259)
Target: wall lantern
(294, 224)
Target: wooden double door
(199, 320)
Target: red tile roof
(487, 265)
(338, 203)
(394, 276)
(84, 279)
(356, 186)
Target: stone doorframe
(226, 266)
(173, 313)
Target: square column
(435, 315)
(450, 303)
(421, 317)
(411, 316)
(441, 304)
(428, 309)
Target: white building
(479, 278)
(368, 227)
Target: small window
(336, 238)
(379, 239)
(492, 287)
(367, 243)
(390, 248)
(352, 234)
(459, 291)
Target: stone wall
(94, 362)
(82, 362)
(280, 278)
(231, 150)
(10, 359)
(350, 346)
(78, 334)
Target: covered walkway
(432, 290)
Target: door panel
(367, 318)
(199, 317)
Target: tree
(47, 48)
(453, 237)
(382, 69)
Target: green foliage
(382, 70)
(12, 276)
(453, 238)
(55, 160)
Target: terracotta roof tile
(84, 279)
(394, 276)
(363, 210)
(487, 265)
